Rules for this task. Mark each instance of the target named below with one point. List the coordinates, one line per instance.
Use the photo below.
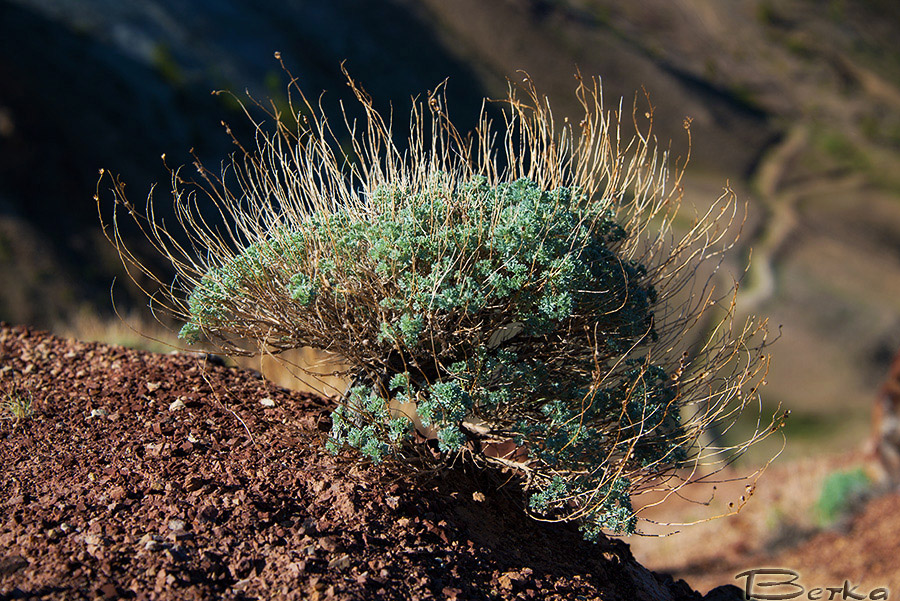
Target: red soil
(865, 551)
(115, 489)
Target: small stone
(240, 585)
(175, 524)
(506, 580)
(12, 564)
(154, 450)
(180, 535)
(93, 543)
(151, 542)
(329, 543)
(152, 386)
(108, 591)
(450, 593)
(98, 413)
(339, 563)
(177, 405)
(161, 579)
(267, 403)
(174, 554)
(478, 496)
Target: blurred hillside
(795, 102)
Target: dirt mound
(864, 550)
(862, 547)
(170, 477)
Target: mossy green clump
(840, 492)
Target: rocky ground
(862, 548)
(149, 476)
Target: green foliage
(243, 277)
(166, 65)
(540, 264)
(766, 14)
(302, 289)
(840, 149)
(840, 491)
(366, 424)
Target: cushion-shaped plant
(522, 286)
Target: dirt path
(778, 221)
(778, 202)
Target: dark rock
(726, 592)
(12, 564)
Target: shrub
(520, 284)
(840, 491)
